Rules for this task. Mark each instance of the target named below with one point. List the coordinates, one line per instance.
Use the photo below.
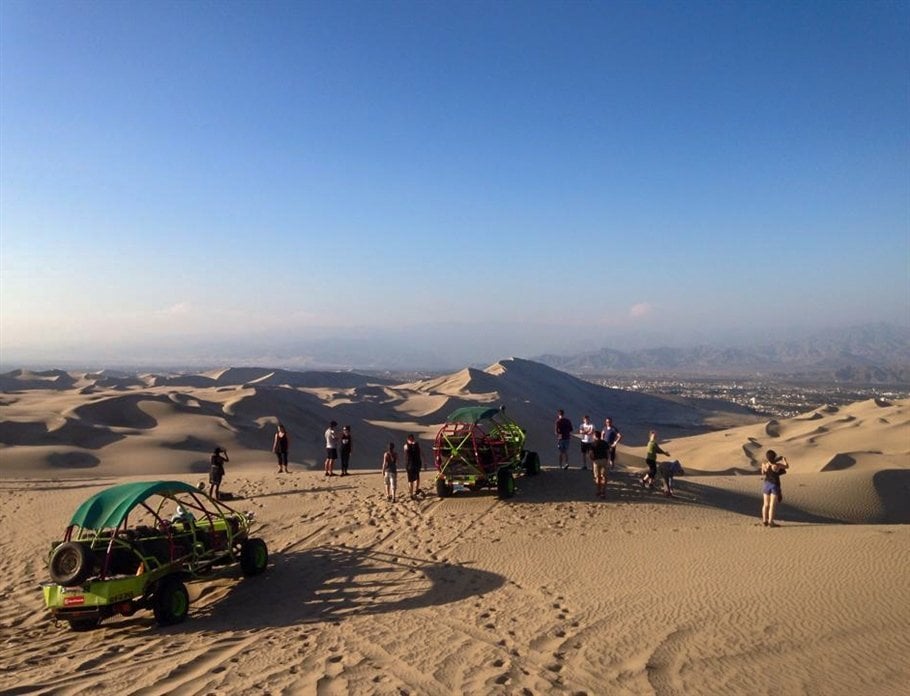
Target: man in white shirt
(586, 430)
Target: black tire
(254, 557)
(443, 489)
(85, 624)
(70, 564)
(171, 602)
(531, 463)
(505, 483)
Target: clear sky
(542, 176)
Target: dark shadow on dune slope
(575, 485)
(73, 460)
(893, 487)
(748, 505)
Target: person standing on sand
(412, 465)
(563, 436)
(390, 472)
(612, 437)
(599, 454)
(647, 481)
(331, 448)
(216, 472)
(586, 430)
(772, 469)
(347, 446)
(280, 448)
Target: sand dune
(551, 592)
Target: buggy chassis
(479, 447)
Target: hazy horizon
(460, 183)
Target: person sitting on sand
(772, 469)
(216, 472)
(600, 458)
(390, 472)
(647, 481)
(668, 469)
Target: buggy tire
(70, 564)
(254, 557)
(531, 464)
(443, 489)
(171, 602)
(84, 624)
(505, 483)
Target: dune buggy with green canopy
(135, 545)
(480, 447)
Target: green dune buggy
(135, 545)
(479, 447)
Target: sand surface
(553, 591)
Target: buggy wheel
(531, 464)
(84, 624)
(505, 483)
(443, 489)
(171, 603)
(254, 557)
(70, 564)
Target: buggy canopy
(472, 414)
(110, 506)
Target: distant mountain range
(878, 353)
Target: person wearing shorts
(772, 469)
(599, 460)
(390, 472)
(563, 436)
(331, 449)
(586, 430)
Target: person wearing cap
(331, 448)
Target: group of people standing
(332, 442)
(413, 465)
(597, 446)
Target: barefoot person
(772, 469)
(390, 472)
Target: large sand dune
(552, 591)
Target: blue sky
(498, 177)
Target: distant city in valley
(778, 399)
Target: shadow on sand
(326, 584)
